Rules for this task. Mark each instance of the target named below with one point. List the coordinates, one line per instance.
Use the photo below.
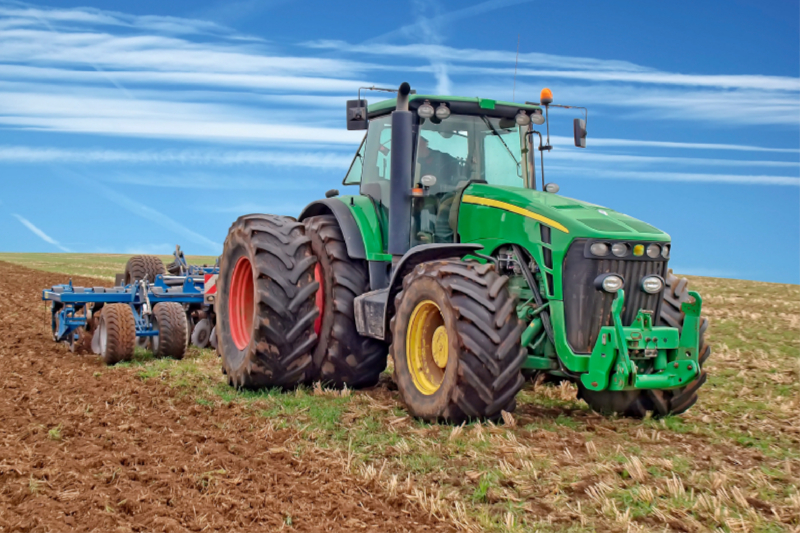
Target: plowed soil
(87, 449)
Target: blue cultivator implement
(111, 321)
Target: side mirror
(357, 114)
(579, 131)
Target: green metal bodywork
(514, 216)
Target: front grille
(587, 309)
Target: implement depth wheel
(456, 342)
(342, 356)
(116, 333)
(636, 403)
(169, 318)
(266, 303)
(143, 267)
(201, 334)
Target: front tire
(456, 342)
(266, 309)
(342, 356)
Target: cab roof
(483, 103)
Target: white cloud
(305, 84)
(39, 233)
(443, 19)
(558, 66)
(20, 14)
(738, 179)
(161, 118)
(213, 181)
(671, 144)
(158, 53)
(711, 106)
(28, 154)
(593, 156)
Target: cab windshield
(453, 152)
(468, 147)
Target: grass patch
(55, 433)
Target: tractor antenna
(516, 62)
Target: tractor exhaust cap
(402, 96)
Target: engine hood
(581, 219)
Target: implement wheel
(201, 333)
(637, 403)
(342, 356)
(143, 267)
(169, 318)
(266, 303)
(456, 342)
(116, 332)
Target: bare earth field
(163, 445)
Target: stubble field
(163, 445)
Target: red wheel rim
(240, 304)
(320, 299)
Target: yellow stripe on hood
(477, 200)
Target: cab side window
(353, 176)
(378, 160)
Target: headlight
(653, 251)
(522, 118)
(442, 112)
(537, 117)
(620, 249)
(652, 284)
(425, 110)
(609, 282)
(599, 249)
(665, 251)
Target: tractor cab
(456, 142)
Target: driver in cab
(433, 209)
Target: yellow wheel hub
(440, 347)
(427, 347)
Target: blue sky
(132, 126)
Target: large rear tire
(143, 267)
(266, 303)
(637, 403)
(342, 356)
(170, 320)
(117, 333)
(456, 342)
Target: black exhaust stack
(400, 186)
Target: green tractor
(452, 261)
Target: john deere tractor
(452, 261)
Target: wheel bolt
(594, 384)
(675, 365)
